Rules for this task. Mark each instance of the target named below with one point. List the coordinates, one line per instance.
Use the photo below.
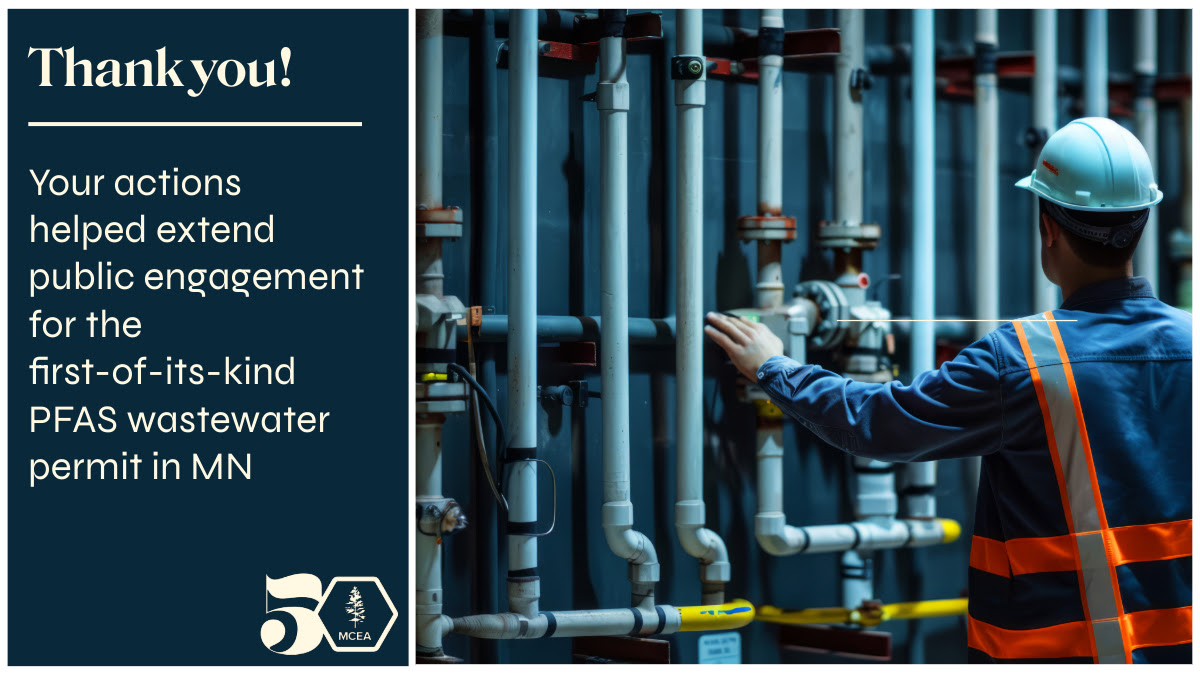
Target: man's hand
(748, 343)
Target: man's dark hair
(1093, 252)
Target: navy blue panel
(1168, 654)
(1156, 585)
(1025, 601)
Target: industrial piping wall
(551, 394)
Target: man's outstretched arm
(953, 412)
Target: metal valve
(439, 518)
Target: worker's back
(1082, 548)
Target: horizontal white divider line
(195, 123)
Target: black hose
(487, 400)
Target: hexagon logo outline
(382, 636)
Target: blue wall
(577, 569)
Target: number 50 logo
(353, 614)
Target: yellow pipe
(951, 530)
(915, 610)
(732, 615)
(434, 376)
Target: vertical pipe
(987, 181)
(770, 162)
(1045, 123)
(922, 180)
(848, 121)
(429, 109)
(523, 584)
(612, 101)
(429, 145)
(987, 172)
(1095, 63)
(429, 552)
(922, 475)
(429, 281)
(696, 540)
(1145, 68)
(486, 221)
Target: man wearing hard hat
(1083, 417)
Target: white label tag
(721, 648)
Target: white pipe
(428, 599)
(429, 109)
(1045, 121)
(857, 584)
(430, 624)
(524, 590)
(875, 532)
(698, 541)
(848, 121)
(1095, 63)
(987, 174)
(572, 623)
(769, 288)
(1145, 68)
(612, 100)
(771, 529)
(922, 355)
(987, 182)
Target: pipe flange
(834, 235)
(439, 222)
(831, 307)
(767, 228)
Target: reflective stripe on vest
(1128, 544)
(1066, 433)
(1147, 628)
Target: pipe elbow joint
(430, 630)
(776, 537)
(698, 541)
(635, 547)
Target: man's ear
(1050, 230)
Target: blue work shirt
(1131, 359)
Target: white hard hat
(1094, 164)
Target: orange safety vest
(1091, 549)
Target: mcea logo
(352, 614)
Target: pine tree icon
(356, 610)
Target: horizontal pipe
(661, 331)
(732, 615)
(915, 610)
(642, 331)
(779, 539)
(660, 620)
(559, 25)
